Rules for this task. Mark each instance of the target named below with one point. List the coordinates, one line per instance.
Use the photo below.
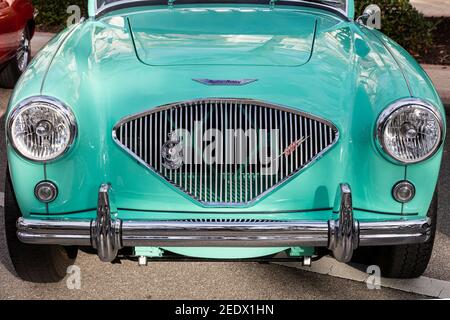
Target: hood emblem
(172, 152)
(211, 82)
(291, 148)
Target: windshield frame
(121, 4)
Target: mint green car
(206, 130)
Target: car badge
(211, 82)
(172, 152)
(291, 148)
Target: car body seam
(408, 84)
(44, 78)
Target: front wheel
(34, 263)
(14, 69)
(405, 261)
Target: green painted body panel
(351, 9)
(211, 253)
(91, 8)
(350, 76)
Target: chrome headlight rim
(53, 103)
(390, 111)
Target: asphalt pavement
(433, 8)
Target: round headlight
(410, 131)
(41, 129)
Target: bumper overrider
(108, 234)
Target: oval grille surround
(232, 151)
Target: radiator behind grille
(275, 143)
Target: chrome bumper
(108, 234)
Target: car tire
(402, 262)
(14, 69)
(33, 263)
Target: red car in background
(16, 30)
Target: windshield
(340, 5)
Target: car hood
(349, 71)
(223, 37)
(349, 79)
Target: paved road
(433, 8)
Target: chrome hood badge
(172, 152)
(211, 82)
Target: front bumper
(108, 234)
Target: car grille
(225, 151)
(230, 220)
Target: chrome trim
(49, 184)
(213, 82)
(390, 110)
(106, 229)
(222, 234)
(391, 233)
(344, 232)
(235, 102)
(108, 234)
(401, 184)
(60, 107)
(24, 51)
(62, 232)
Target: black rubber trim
(62, 213)
(182, 2)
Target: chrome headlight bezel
(391, 111)
(57, 106)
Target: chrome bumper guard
(108, 234)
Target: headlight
(41, 129)
(410, 131)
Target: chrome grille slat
(240, 157)
(188, 119)
(247, 155)
(236, 158)
(135, 127)
(145, 138)
(240, 177)
(261, 136)
(267, 145)
(211, 166)
(140, 136)
(161, 139)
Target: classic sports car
(16, 30)
(241, 130)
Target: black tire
(33, 263)
(12, 72)
(402, 262)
